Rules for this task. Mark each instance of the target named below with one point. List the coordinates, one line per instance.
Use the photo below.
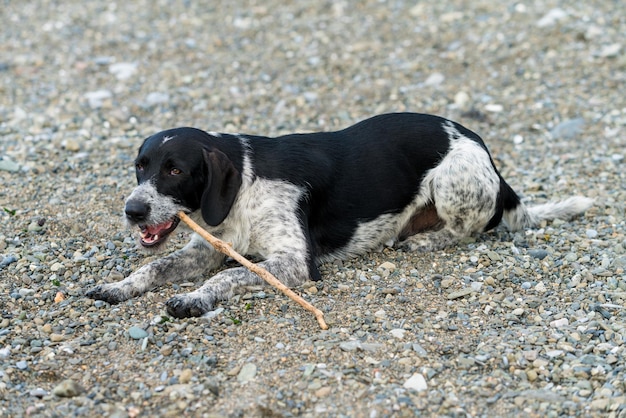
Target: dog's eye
(139, 167)
(175, 171)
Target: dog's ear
(222, 184)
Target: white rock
(416, 382)
(462, 99)
(398, 333)
(540, 287)
(494, 108)
(19, 114)
(5, 352)
(26, 292)
(552, 17)
(554, 353)
(96, 98)
(434, 79)
(609, 51)
(123, 70)
(559, 323)
(56, 267)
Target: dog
(301, 199)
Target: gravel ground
(529, 323)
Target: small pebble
(5, 352)
(538, 254)
(416, 382)
(387, 266)
(67, 389)
(38, 393)
(559, 323)
(137, 333)
(568, 129)
(185, 376)
(7, 164)
(247, 372)
(460, 293)
(397, 333)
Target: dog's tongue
(153, 234)
(156, 229)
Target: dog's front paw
(188, 305)
(108, 293)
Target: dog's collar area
(152, 235)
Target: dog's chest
(264, 218)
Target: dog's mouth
(152, 235)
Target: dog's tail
(519, 216)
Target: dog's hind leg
(464, 190)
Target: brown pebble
(166, 350)
(322, 392)
(185, 376)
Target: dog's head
(180, 169)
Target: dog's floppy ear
(222, 184)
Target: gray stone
(67, 389)
(460, 293)
(538, 254)
(7, 164)
(137, 333)
(247, 372)
(38, 393)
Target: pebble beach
(525, 323)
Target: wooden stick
(226, 248)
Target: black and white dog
(298, 200)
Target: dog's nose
(137, 211)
